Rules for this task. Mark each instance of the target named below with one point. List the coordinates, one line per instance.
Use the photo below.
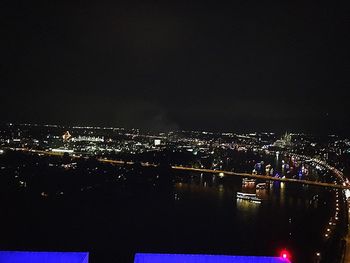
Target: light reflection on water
(247, 208)
(286, 214)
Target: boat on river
(248, 197)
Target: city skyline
(162, 130)
(114, 192)
(181, 130)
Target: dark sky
(240, 66)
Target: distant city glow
(266, 164)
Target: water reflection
(288, 213)
(246, 207)
(282, 194)
(262, 194)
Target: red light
(285, 255)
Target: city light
(285, 254)
(134, 128)
(126, 157)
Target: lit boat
(261, 186)
(248, 197)
(248, 181)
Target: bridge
(210, 171)
(263, 177)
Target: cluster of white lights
(332, 223)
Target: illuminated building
(83, 257)
(47, 257)
(285, 141)
(180, 258)
(66, 136)
(88, 139)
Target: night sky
(241, 66)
